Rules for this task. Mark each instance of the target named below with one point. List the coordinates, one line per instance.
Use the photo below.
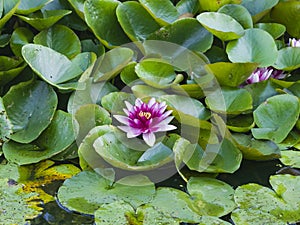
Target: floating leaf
(45, 146)
(258, 8)
(288, 59)
(256, 46)
(30, 106)
(136, 21)
(4, 39)
(214, 5)
(187, 7)
(61, 39)
(241, 123)
(78, 5)
(231, 101)
(8, 9)
(287, 13)
(239, 13)
(275, 29)
(17, 207)
(253, 149)
(163, 11)
(27, 6)
(231, 74)
(55, 71)
(276, 117)
(260, 205)
(109, 65)
(20, 37)
(156, 73)
(211, 196)
(290, 158)
(187, 33)
(89, 116)
(76, 195)
(44, 19)
(5, 124)
(101, 17)
(221, 25)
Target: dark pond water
(250, 171)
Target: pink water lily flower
(264, 73)
(145, 119)
(293, 42)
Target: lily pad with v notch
(276, 117)
(30, 106)
(260, 205)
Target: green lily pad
(76, 195)
(17, 207)
(89, 45)
(163, 11)
(261, 91)
(84, 60)
(260, 205)
(182, 206)
(223, 157)
(156, 73)
(290, 158)
(187, 33)
(214, 5)
(27, 6)
(44, 147)
(241, 123)
(275, 29)
(192, 90)
(258, 8)
(287, 13)
(8, 63)
(6, 128)
(233, 101)
(61, 39)
(44, 19)
(288, 59)
(276, 117)
(10, 68)
(253, 149)
(291, 140)
(56, 71)
(239, 13)
(100, 16)
(186, 110)
(30, 106)
(136, 21)
(144, 91)
(187, 7)
(221, 25)
(231, 74)
(262, 46)
(20, 37)
(210, 196)
(117, 154)
(8, 9)
(4, 39)
(128, 75)
(89, 116)
(110, 64)
(78, 5)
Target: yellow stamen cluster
(145, 114)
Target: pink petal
(151, 102)
(149, 138)
(131, 132)
(129, 106)
(122, 119)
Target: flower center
(147, 115)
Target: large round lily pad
(30, 106)
(221, 25)
(137, 23)
(101, 16)
(256, 46)
(276, 117)
(44, 147)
